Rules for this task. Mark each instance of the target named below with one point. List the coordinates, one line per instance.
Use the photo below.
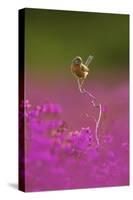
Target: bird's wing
(84, 68)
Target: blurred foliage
(53, 38)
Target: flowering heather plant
(58, 157)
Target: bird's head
(77, 60)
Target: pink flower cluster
(58, 157)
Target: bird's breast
(76, 70)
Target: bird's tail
(89, 59)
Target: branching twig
(97, 124)
(93, 99)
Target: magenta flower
(58, 157)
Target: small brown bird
(80, 70)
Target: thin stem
(93, 99)
(92, 96)
(80, 83)
(97, 124)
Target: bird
(80, 70)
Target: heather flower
(58, 157)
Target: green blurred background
(53, 38)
